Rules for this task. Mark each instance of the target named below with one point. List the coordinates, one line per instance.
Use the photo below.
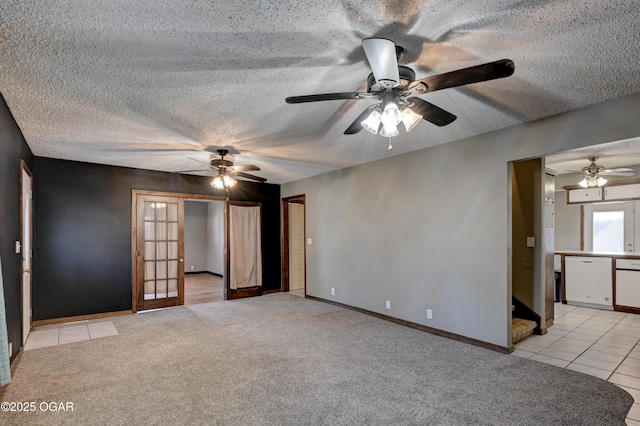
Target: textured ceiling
(151, 84)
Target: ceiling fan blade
(617, 173)
(188, 171)
(246, 168)
(430, 112)
(381, 54)
(248, 176)
(199, 161)
(356, 126)
(476, 74)
(618, 169)
(328, 97)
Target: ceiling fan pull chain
(390, 147)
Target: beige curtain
(246, 253)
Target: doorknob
(181, 260)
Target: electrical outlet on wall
(333, 291)
(193, 267)
(388, 304)
(429, 314)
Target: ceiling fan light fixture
(592, 181)
(390, 118)
(228, 181)
(410, 119)
(372, 123)
(389, 131)
(217, 182)
(391, 115)
(223, 181)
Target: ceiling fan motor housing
(407, 76)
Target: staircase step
(521, 329)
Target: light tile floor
(55, 335)
(600, 343)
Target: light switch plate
(309, 241)
(531, 242)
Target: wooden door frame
(134, 233)
(296, 199)
(25, 168)
(243, 292)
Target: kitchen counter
(612, 254)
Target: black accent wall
(82, 232)
(13, 148)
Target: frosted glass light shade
(410, 119)
(372, 122)
(217, 182)
(389, 131)
(391, 115)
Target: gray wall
(204, 236)
(215, 237)
(195, 236)
(567, 231)
(429, 229)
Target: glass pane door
(160, 262)
(608, 227)
(608, 231)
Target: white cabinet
(628, 282)
(584, 195)
(622, 192)
(588, 281)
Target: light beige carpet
(284, 360)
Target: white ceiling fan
(397, 89)
(593, 174)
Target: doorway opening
(531, 247)
(204, 248)
(294, 249)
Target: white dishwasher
(588, 281)
(628, 282)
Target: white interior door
(26, 252)
(296, 247)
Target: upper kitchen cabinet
(614, 191)
(584, 195)
(622, 192)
